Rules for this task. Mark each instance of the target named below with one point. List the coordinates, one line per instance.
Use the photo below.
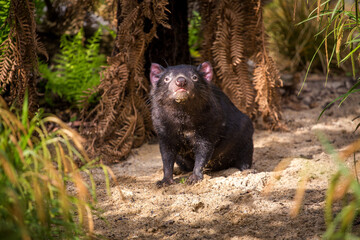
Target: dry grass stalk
(282, 165)
(349, 150)
(299, 196)
(318, 10)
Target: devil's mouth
(181, 90)
(180, 95)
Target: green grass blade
(25, 110)
(335, 10)
(312, 59)
(349, 54)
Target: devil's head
(180, 83)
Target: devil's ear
(206, 70)
(155, 72)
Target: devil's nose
(180, 82)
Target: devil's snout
(180, 82)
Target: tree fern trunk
(171, 46)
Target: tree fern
(76, 68)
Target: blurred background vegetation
(303, 36)
(43, 192)
(293, 45)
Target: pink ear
(207, 71)
(155, 71)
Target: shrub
(36, 169)
(341, 22)
(76, 68)
(292, 44)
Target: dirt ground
(230, 204)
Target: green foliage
(194, 40)
(341, 22)
(4, 12)
(338, 20)
(342, 184)
(292, 45)
(76, 68)
(182, 180)
(39, 10)
(43, 194)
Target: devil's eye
(166, 79)
(194, 78)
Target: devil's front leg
(168, 155)
(203, 152)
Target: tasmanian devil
(196, 123)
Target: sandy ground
(230, 204)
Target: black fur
(198, 125)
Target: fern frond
(227, 51)
(266, 81)
(77, 67)
(234, 32)
(18, 51)
(121, 111)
